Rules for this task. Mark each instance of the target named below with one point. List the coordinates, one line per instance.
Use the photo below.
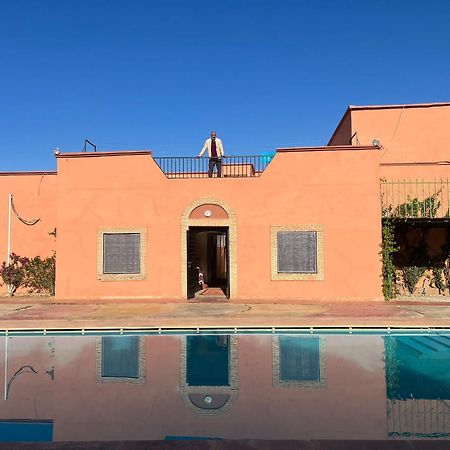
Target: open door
(192, 276)
(227, 259)
(207, 247)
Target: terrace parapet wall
(334, 188)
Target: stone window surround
(142, 365)
(143, 255)
(318, 384)
(319, 275)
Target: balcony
(415, 199)
(232, 166)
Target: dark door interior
(207, 247)
(207, 360)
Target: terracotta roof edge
(406, 105)
(327, 148)
(101, 154)
(28, 172)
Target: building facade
(304, 225)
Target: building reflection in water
(121, 359)
(235, 387)
(208, 360)
(209, 373)
(418, 386)
(299, 361)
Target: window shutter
(299, 359)
(120, 356)
(121, 253)
(297, 251)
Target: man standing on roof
(215, 153)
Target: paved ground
(46, 313)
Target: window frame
(142, 255)
(321, 383)
(276, 275)
(142, 362)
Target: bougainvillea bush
(35, 274)
(14, 273)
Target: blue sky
(161, 74)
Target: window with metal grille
(299, 359)
(121, 253)
(297, 251)
(120, 357)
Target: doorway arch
(212, 217)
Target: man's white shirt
(207, 146)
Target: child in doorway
(201, 278)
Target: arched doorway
(208, 237)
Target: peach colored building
(338, 392)
(304, 224)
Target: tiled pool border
(96, 331)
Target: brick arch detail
(232, 389)
(231, 223)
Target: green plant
(388, 248)
(414, 208)
(411, 275)
(14, 273)
(392, 366)
(438, 273)
(40, 274)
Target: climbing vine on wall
(415, 208)
(388, 248)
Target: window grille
(299, 359)
(297, 251)
(120, 357)
(121, 253)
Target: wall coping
(324, 148)
(102, 154)
(416, 163)
(28, 172)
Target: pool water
(255, 386)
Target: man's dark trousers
(215, 162)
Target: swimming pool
(287, 384)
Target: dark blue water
(94, 388)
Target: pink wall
(34, 196)
(335, 187)
(343, 132)
(30, 395)
(338, 190)
(409, 134)
(353, 404)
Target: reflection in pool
(294, 386)
(418, 385)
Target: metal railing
(232, 166)
(415, 199)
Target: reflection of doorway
(208, 249)
(207, 360)
(209, 372)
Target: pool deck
(47, 313)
